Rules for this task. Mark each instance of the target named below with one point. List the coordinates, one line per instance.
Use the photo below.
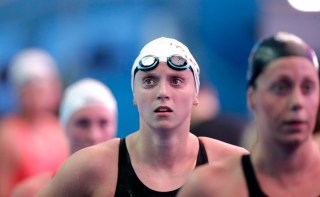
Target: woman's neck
(162, 151)
(280, 159)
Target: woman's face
(91, 125)
(38, 96)
(285, 100)
(164, 97)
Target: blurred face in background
(286, 99)
(41, 95)
(91, 125)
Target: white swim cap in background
(32, 64)
(83, 93)
(166, 47)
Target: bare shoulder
(86, 171)
(32, 185)
(95, 158)
(221, 178)
(218, 150)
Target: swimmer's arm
(70, 180)
(91, 171)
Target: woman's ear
(196, 101)
(250, 98)
(134, 103)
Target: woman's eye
(307, 88)
(103, 123)
(83, 123)
(176, 81)
(148, 81)
(280, 88)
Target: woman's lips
(162, 109)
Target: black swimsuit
(252, 182)
(128, 183)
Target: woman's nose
(296, 100)
(163, 91)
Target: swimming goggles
(176, 62)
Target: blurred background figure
(283, 95)
(207, 119)
(88, 113)
(32, 140)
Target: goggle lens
(177, 61)
(148, 61)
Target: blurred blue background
(100, 39)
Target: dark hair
(281, 44)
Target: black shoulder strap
(202, 154)
(252, 182)
(122, 160)
(128, 183)
(125, 177)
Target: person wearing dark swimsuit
(251, 179)
(129, 184)
(283, 94)
(157, 159)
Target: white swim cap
(166, 47)
(84, 93)
(32, 64)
